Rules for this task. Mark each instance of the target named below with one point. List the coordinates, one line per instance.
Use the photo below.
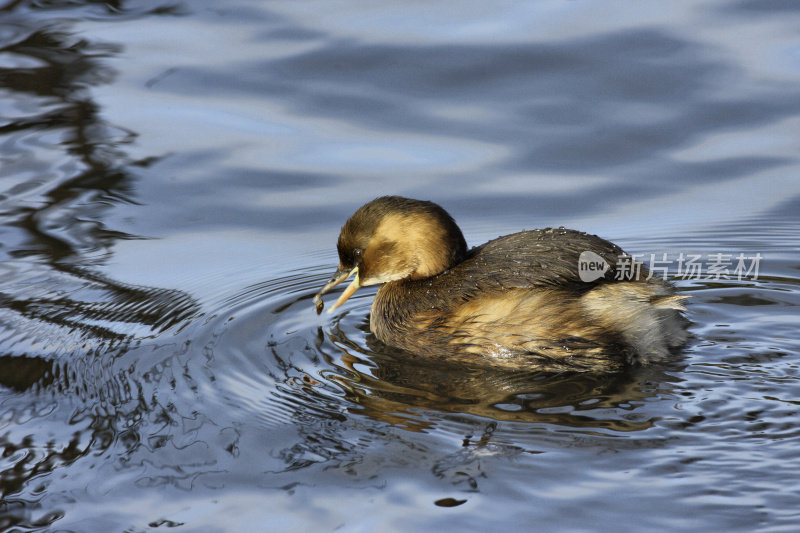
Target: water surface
(172, 180)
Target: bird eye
(357, 253)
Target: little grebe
(516, 300)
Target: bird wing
(538, 258)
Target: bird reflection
(393, 386)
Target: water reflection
(64, 218)
(63, 323)
(53, 220)
(395, 386)
(89, 9)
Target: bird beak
(337, 278)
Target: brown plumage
(516, 301)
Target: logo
(591, 266)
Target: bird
(545, 299)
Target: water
(173, 178)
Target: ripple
(301, 365)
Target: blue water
(173, 177)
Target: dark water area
(173, 176)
